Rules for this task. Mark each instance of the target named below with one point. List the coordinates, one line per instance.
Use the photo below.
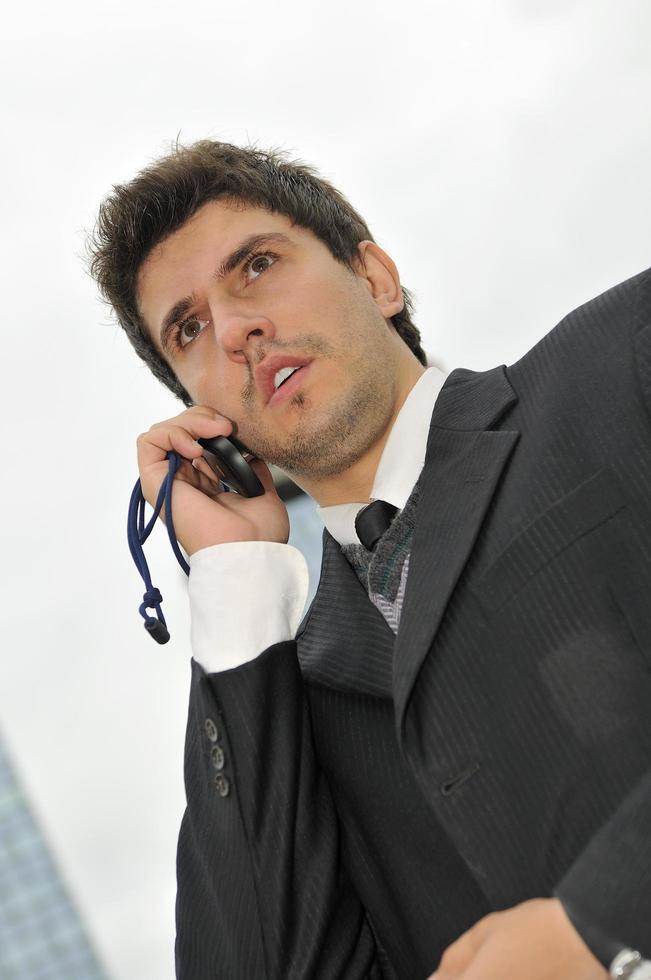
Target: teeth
(282, 375)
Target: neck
(354, 485)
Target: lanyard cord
(137, 534)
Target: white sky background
(499, 151)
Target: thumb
(263, 473)
(458, 956)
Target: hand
(532, 941)
(203, 513)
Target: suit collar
(471, 400)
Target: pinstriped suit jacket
(518, 686)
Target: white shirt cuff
(244, 597)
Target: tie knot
(372, 521)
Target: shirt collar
(402, 458)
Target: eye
(181, 336)
(259, 262)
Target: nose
(239, 335)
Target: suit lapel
(462, 468)
(344, 641)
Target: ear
(379, 272)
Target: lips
(267, 370)
(288, 387)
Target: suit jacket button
(217, 756)
(211, 729)
(222, 785)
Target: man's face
(284, 303)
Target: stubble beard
(326, 443)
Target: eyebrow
(228, 265)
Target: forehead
(179, 264)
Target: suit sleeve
(607, 891)
(609, 886)
(262, 893)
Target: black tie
(372, 521)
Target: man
(447, 764)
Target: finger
(187, 472)
(196, 411)
(459, 954)
(190, 418)
(454, 961)
(162, 438)
(203, 465)
(206, 410)
(263, 473)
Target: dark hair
(137, 216)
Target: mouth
(279, 376)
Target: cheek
(223, 394)
(316, 297)
(206, 386)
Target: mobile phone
(231, 466)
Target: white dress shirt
(247, 595)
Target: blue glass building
(41, 934)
